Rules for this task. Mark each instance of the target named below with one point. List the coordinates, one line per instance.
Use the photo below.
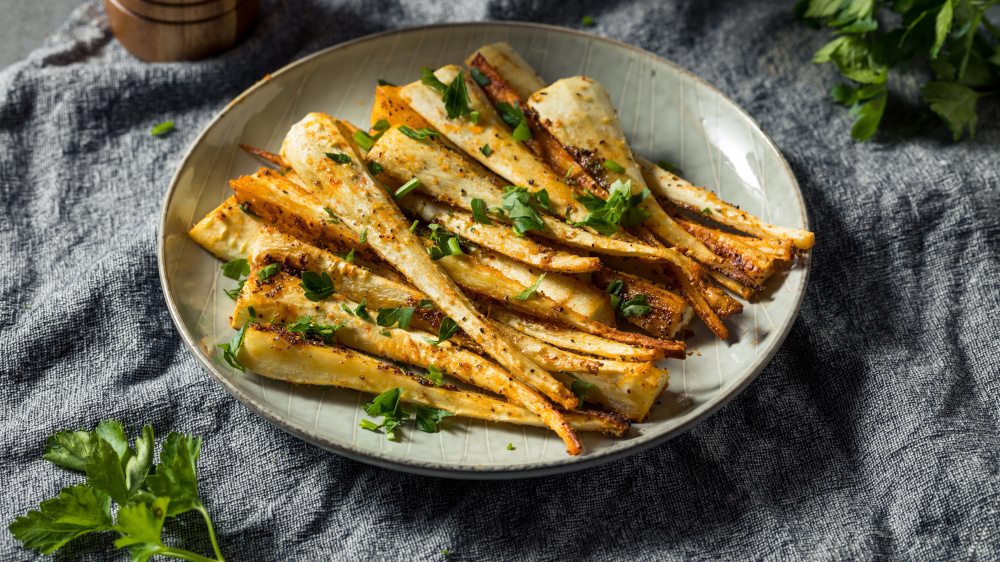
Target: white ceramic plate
(667, 113)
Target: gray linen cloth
(873, 433)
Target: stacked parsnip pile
(488, 227)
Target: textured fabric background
(872, 434)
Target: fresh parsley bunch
(955, 36)
(146, 495)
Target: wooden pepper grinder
(176, 30)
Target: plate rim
(430, 468)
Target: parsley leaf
(523, 295)
(614, 289)
(385, 83)
(401, 315)
(479, 212)
(447, 329)
(636, 306)
(325, 332)
(955, 104)
(706, 211)
(76, 511)
(520, 205)
(229, 350)
(71, 449)
(375, 168)
(425, 303)
(614, 166)
(381, 125)
(175, 476)
(364, 236)
(587, 21)
(510, 446)
(486, 150)
(269, 271)
(338, 157)
(387, 405)
(142, 524)
(348, 257)
(447, 243)
(429, 419)
(620, 208)
(365, 141)
(479, 77)
(427, 78)
(672, 168)
(514, 118)
(580, 389)
(456, 97)
(236, 268)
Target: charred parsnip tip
(347, 187)
(278, 354)
(696, 199)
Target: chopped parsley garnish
(479, 77)
(620, 208)
(448, 328)
(587, 21)
(514, 118)
(348, 257)
(248, 211)
(236, 268)
(510, 446)
(361, 312)
(406, 188)
(162, 128)
(580, 389)
(385, 333)
(330, 212)
(425, 303)
(523, 295)
(479, 212)
(613, 289)
(413, 227)
(427, 78)
(435, 375)
(229, 350)
(385, 83)
(636, 306)
(305, 325)
(429, 419)
(418, 135)
(387, 405)
(364, 236)
(474, 117)
(269, 271)
(253, 313)
(447, 243)
(672, 168)
(381, 125)
(614, 166)
(705, 211)
(521, 207)
(400, 315)
(486, 150)
(318, 286)
(375, 168)
(338, 157)
(456, 97)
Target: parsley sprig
(146, 494)
(305, 326)
(635, 306)
(388, 406)
(514, 118)
(522, 206)
(238, 269)
(619, 209)
(951, 35)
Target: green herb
(385, 83)
(369, 425)
(236, 268)
(514, 118)
(387, 406)
(413, 227)
(510, 446)
(364, 236)
(672, 168)
(474, 117)
(614, 167)
(163, 128)
(248, 211)
(427, 78)
(229, 350)
(318, 286)
(486, 150)
(456, 97)
(435, 375)
(447, 329)
(522, 132)
(614, 289)
(523, 295)
(365, 141)
(253, 313)
(522, 209)
(305, 325)
(401, 315)
(619, 209)
(333, 216)
(381, 125)
(385, 333)
(348, 257)
(338, 157)
(479, 212)
(705, 211)
(418, 135)
(479, 77)
(580, 389)
(269, 271)
(636, 306)
(146, 495)
(587, 21)
(361, 312)
(406, 188)
(446, 243)
(429, 419)
(445, 552)
(425, 303)
(952, 36)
